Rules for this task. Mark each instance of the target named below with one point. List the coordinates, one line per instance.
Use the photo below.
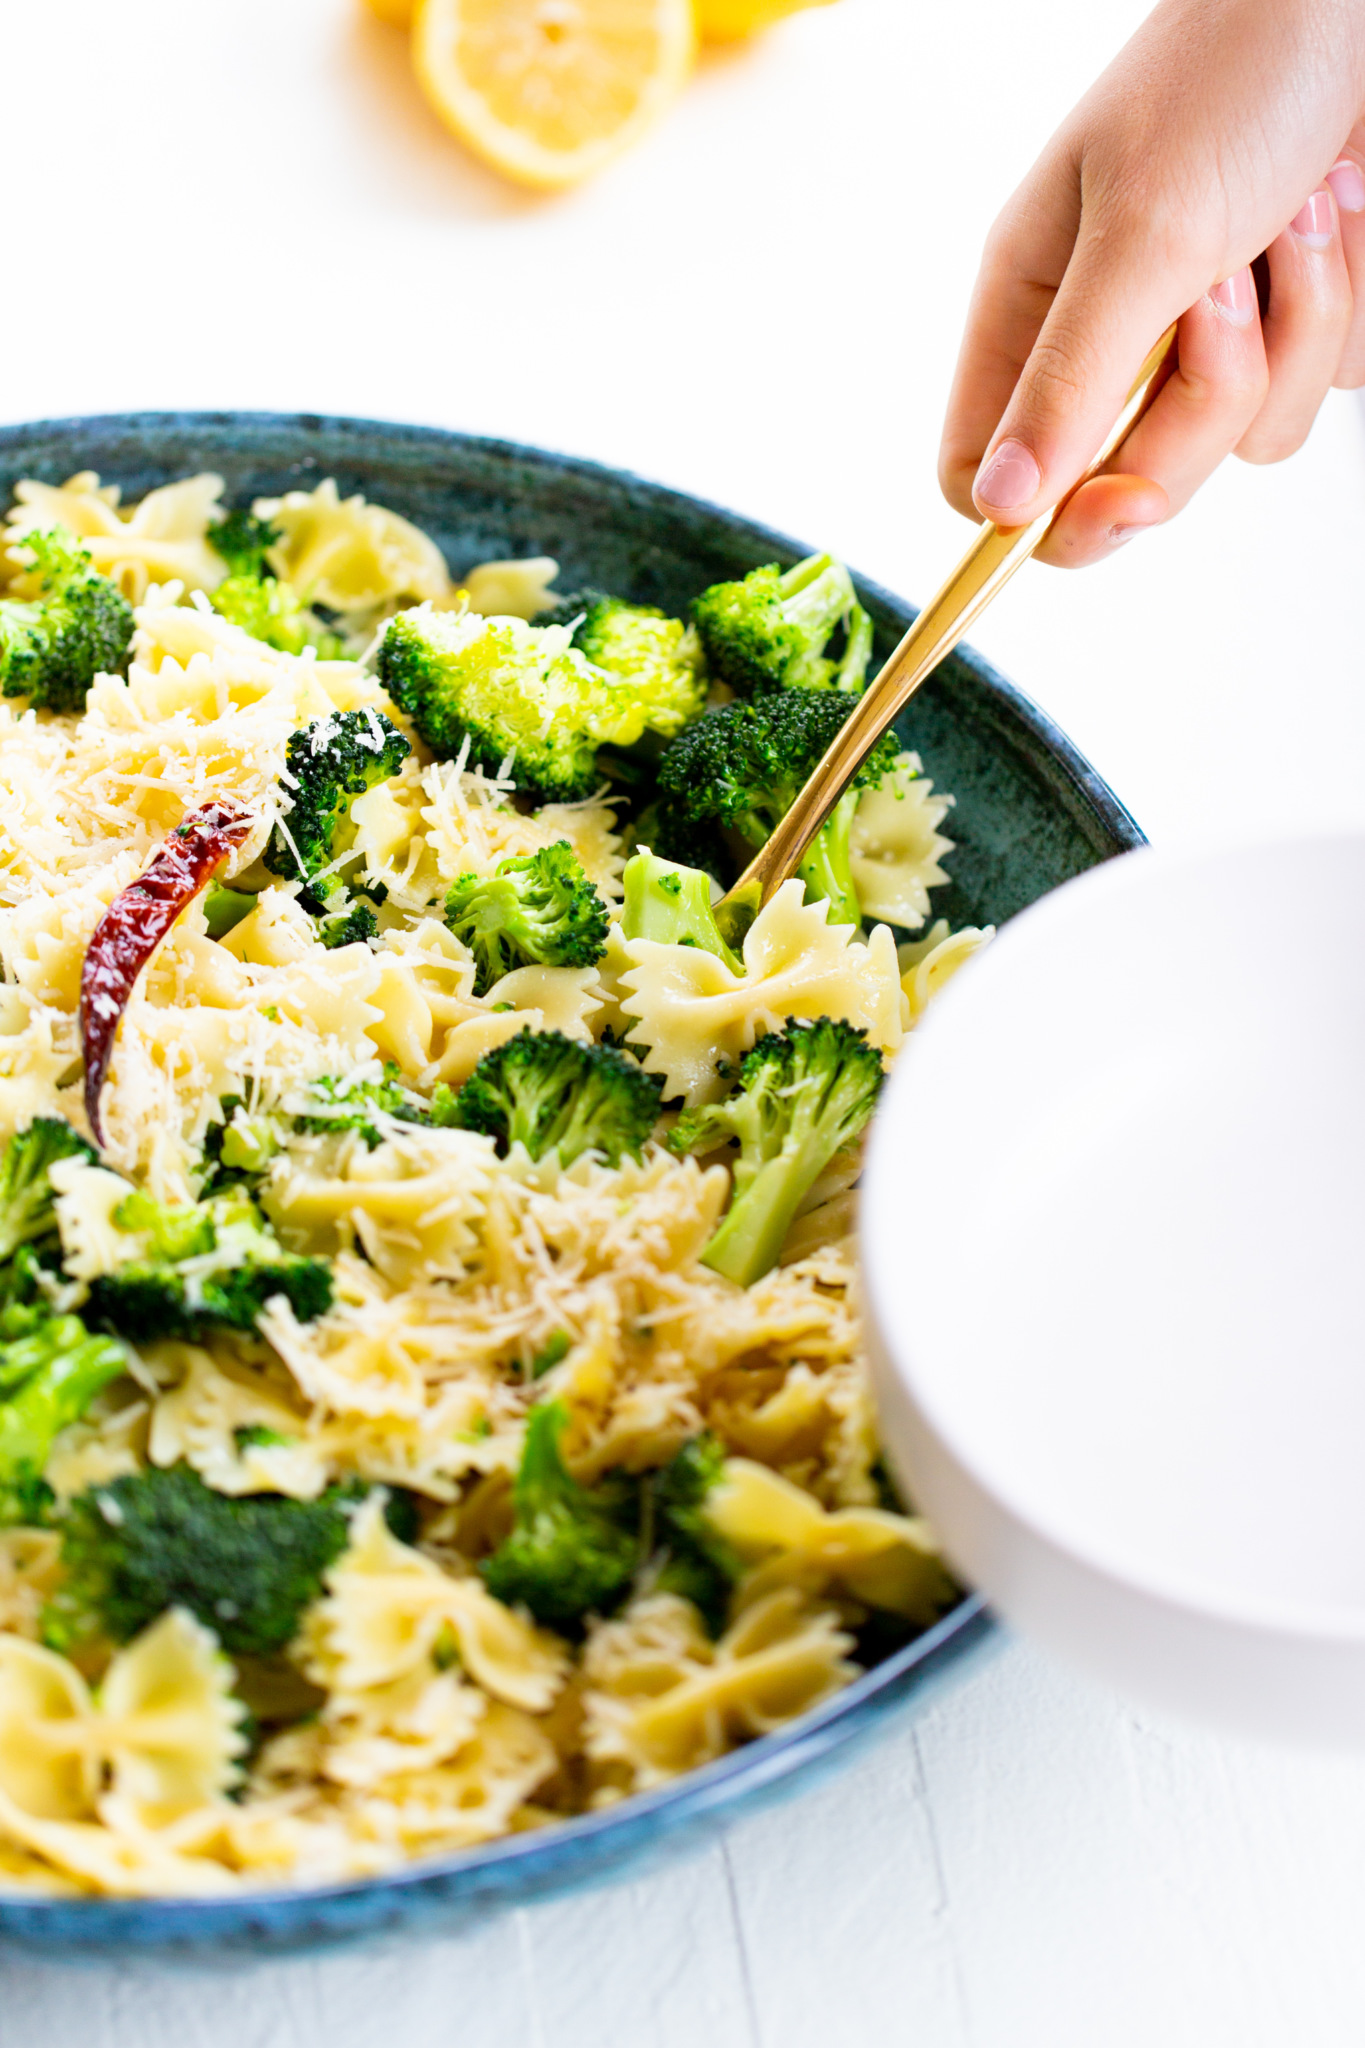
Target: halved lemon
(724, 21)
(547, 91)
(399, 12)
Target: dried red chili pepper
(137, 921)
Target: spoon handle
(994, 555)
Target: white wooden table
(246, 204)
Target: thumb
(1109, 310)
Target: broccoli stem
(852, 670)
(573, 1550)
(805, 1093)
(815, 597)
(55, 1374)
(749, 1240)
(826, 868)
(672, 905)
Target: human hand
(1225, 132)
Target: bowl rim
(560, 1854)
(1088, 782)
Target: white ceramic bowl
(1114, 1226)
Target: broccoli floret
(53, 646)
(741, 767)
(804, 1093)
(260, 603)
(353, 1105)
(238, 1151)
(770, 630)
(47, 1380)
(327, 765)
(241, 1148)
(698, 1563)
(247, 1566)
(144, 1302)
(26, 1195)
(243, 541)
(24, 1303)
(538, 909)
(573, 1549)
(274, 612)
(659, 657)
(198, 1265)
(545, 1091)
(512, 691)
(671, 905)
(349, 927)
(576, 1550)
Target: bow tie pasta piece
(106, 1444)
(895, 845)
(651, 1213)
(44, 938)
(49, 1765)
(382, 1614)
(37, 1048)
(889, 1561)
(30, 1562)
(161, 540)
(123, 1863)
(239, 1437)
(927, 965)
(188, 659)
(365, 1357)
(659, 1698)
(36, 799)
(411, 1725)
(471, 827)
(810, 1421)
(510, 590)
(348, 555)
(412, 1202)
(392, 847)
(82, 505)
(692, 1011)
(527, 999)
(437, 1030)
(86, 1198)
(388, 1608)
(472, 1797)
(424, 993)
(153, 748)
(168, 1723)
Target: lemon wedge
(398, 12)
(724, 21)
(547, 91)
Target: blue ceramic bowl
(1031, 813)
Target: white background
(247, 204)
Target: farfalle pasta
(691, 1011)
(399, 1462)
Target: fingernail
(1119, 535)
(1010, 478)
(1235, 298)
(1347, 181)
(1312, 224)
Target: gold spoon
(985, 569)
